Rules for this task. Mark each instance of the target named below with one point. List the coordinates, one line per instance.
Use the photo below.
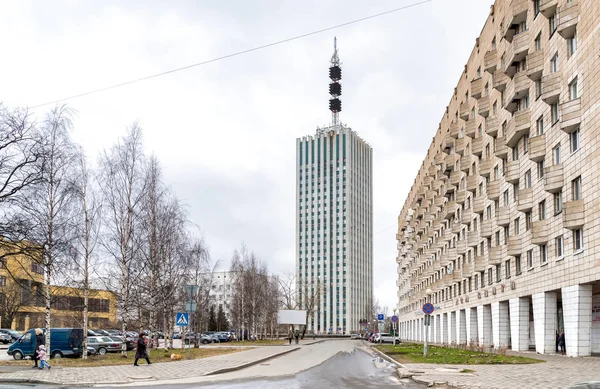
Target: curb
(387, 358)
(245, 365)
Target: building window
(530, 259)
(490, 277)
(542, 209)
(479, 72)
(528, 179)
(558, 245)
(495, 108)
(506, 198)
(556, 155)
(536, 7)
(576, 188)
(575, 141)
(572, 45)
(554, 63)
(515, 153)
(517, 228)
(516, 192)
(557, 203)
(554, 112)
(494, 43)
(517, 264)
(37, 268)
(527, 221)
(525, 143)
(543, 254)
(538, 88)
(573, 93)
(578, 240)
(498, 273)
(2, 281)
(552, 24)
(540, 169)
(539, 124)
(507, 269)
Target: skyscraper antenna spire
(335, 88)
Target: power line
(386, 228)
(230, 55)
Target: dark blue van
(64, 342)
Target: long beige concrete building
(500, 231)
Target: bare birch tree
(87, 226)
(123, 184)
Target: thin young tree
(123, 186)
(87, 227)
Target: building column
(519, 323)
(471, 318)
(484, 324)
(435, 325)
(577, 316)
(452, 327)
(461, 327)
(544, 321)
(444, 333)
(500, 324)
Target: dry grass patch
(112, 359)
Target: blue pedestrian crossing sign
(182, 319)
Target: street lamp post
(426, 320)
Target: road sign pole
(426, 331)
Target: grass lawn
(413, 353)
(156, 355)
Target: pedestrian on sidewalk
(290, 336)
(43, 357)
(561, 342)
(296, 335)
(39, 340)
(141, 350)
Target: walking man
(290, 336)
(296, 335)
(141, 350)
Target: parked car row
(208, 337)
(381, 337)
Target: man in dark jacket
(141, 350)
(39, 340)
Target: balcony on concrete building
(468, 269)
(486, 228)
(461, 247)
(465, 110)
(493, 189)
(490, 61)
(570, 115)
(432, 170)
(503, 216)
(500, 148)
(477, 87)
(439, 201)
(568, 16)
(477, 146)
(537, 148)
(486, 166)
(535, 64)
(471, 128)
(472, 182)
(436, 185)
(512, 172)
(461, 196)
(548, 7)
(456, 228)
(460, 146)
(448, 144)
(500, 80)
(515, 245)
(439, 158)
(553, 178)
(455, 177)
(517, 13)
(430, 194)
(473, 238)
(497, 254)
(516, 90)
(518, 126)
(478, 204)
(516, 52)
(492, 125)
(573, 214)
(540, 232)
(483, 106)
(454, 129)
(450, 161)
(551, 84)
(465, 162)
(479, 264)
(467, 217)
(525, 200)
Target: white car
(355, 336)
(386, 338)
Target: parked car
(176, 335)
(355, 336)
(130, 341)
(91, 351)
(114, 332)
(5, 338)
(64, 342)
(223, 336)
(14, 335)
(386, 338)
(104, 344)
(102, 332)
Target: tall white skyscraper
(334, 223)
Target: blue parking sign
(182, 319)
(381, 317)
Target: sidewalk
(558, 372)
(111, 375)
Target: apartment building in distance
(500, 230)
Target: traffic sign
(380, 317)
(394, 319)
(428, 308)
(182, 319)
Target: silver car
(104, 344)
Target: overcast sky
(225, 132)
